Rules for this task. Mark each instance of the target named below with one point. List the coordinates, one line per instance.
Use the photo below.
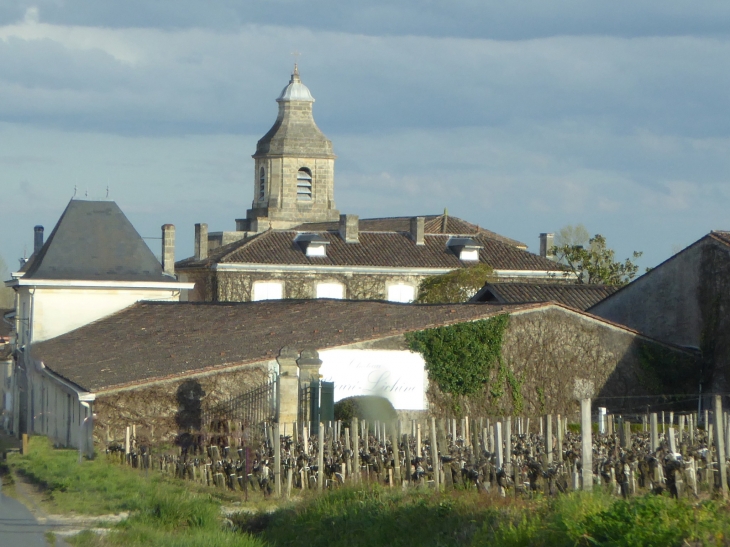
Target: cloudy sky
(521, 116)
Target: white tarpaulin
(399, 376)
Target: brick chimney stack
(350, 228)
(546, 244)
(168, 249)
(201, 241)
(37, 239)
(418, 229)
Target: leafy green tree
(455, 286)
(596, 263)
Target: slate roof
(93, 240)
(156, 340)
(433, 224)
(580, 297)
(375, 249)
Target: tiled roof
(433, 224)
(93, 240)
(576, 296)
(155, 340)
(375, 249)
(721, 235)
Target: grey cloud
(200, 82)
(517, 19)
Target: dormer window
(312, 244)
(262, 184)
(304, 185)
(465, 248)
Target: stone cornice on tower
(294, 132)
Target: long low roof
(374, 249)
(156, 340)
(576, 296)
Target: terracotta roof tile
(433, 224)
(375, 249)
(155, 340)
(576, 296)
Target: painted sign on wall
(399, 376)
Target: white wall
(54, 410)
(398, 375)
(55, 311)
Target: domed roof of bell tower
(294, 132)
(296, 90)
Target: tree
(455, 286)
(596, 263)
(572, 235)
(7, 295)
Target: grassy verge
(170, 513)
(163, 512)
(377, 516)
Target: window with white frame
(330, 290)
(401, 293)
(304, 185)
(268, 290)
(262, 184)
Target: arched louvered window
(304, 185)
(262, 184)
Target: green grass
(370, 517)
(163, 511)
(170, 513)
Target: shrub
(365, 407)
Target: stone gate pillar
(309, 365)
(287, 386)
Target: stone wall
(684, 301)
(164, 410)
(545, 351)
(662, 303)
(236, 286)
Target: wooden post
(672, 441)
(549, 438)
(277, 460)
(320, 458)
(559, 446)
(508, 443)
(498, 445)
(587, 444)
(396, 455)
(435, 460)
(419, 452)
(407, 449)
(305, 439)
(720, 445)
(355, 449)
(465, 431)
(24, 448)
(654, 432)
(126, 442)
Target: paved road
(18, 526)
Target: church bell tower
(294, 167)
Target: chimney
(37, 239)
(349, 228)
(417, 229)
(201, 241)
(168, 249)
(546, 244)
